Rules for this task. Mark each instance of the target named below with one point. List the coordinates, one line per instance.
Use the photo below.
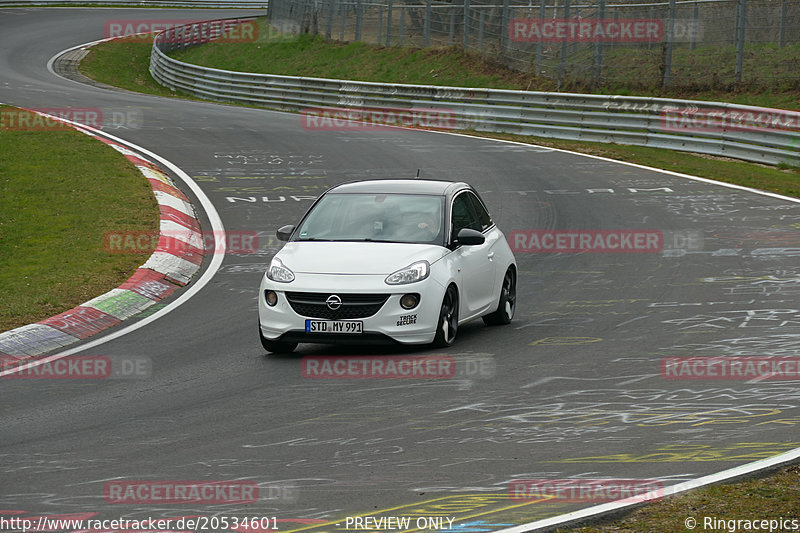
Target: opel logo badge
(333, 302)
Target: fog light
(271, 297)
(409, 301)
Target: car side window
(480, 210)
(463, 215)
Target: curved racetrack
(572, 388)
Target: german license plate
(334, 326)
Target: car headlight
(410, 274)
(278, 272)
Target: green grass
(771, 72)
(306, 56)
(60, 192)
(124, 64)
(773, 497)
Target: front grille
(312, 305)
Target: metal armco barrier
(749, 133)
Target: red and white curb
(168, 268)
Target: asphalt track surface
(572, 388)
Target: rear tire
(276, 346)
(508, 301)
(447, 326)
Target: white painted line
(590, 512)
(216, 259)
(635, 165)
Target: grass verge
(772, 71)
(60, 192)
(772, 498)
(125, 64)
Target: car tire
(507, 304)
(276, 346)
(447, 326)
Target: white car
(404, 261)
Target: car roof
(399, 186)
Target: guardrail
(221, 4)
(749, 133)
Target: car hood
(355, 257)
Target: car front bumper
(391, 323)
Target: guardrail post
(613, 42)
(452, 36)
(380, 24)
(343, 14)
(598, 48)
(782, 32)
(427, 24)
(359, 19)
(504, 29)
(466, 24)
(741, 17)
(402, 25)
(540, 44)
(562, 62)
(481, 21)
(668, 45)
(329, 22)
(389, 23)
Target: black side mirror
(470, 237)
(285, 232)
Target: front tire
(276, 346)
(447, 326)
(508, 301)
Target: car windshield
(408, 218)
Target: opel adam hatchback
(404, 261)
